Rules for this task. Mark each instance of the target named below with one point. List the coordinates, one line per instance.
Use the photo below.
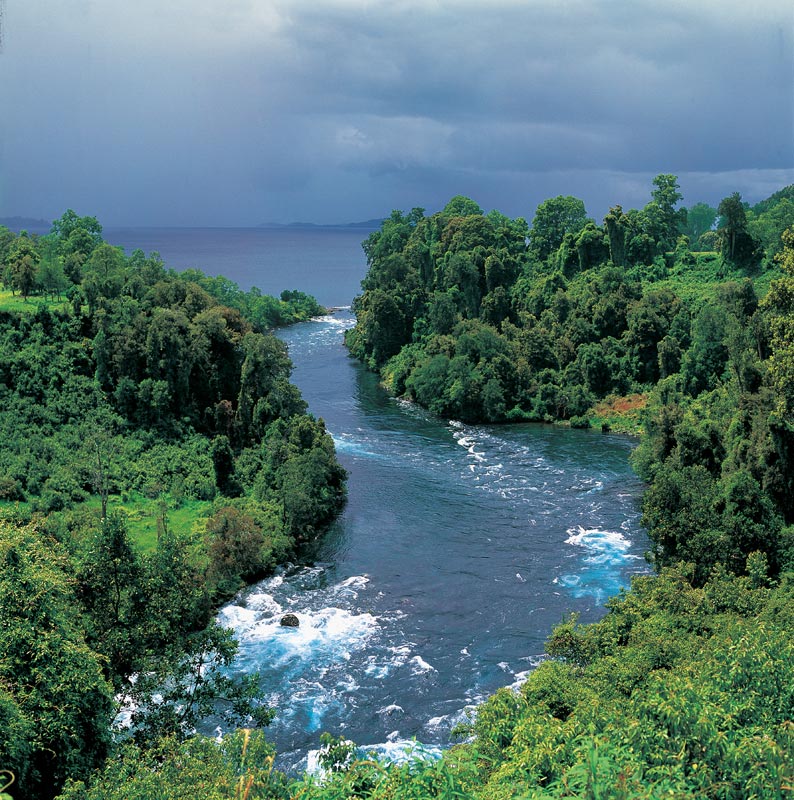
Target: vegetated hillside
(685, 688)
(155, 456)
(482, 318)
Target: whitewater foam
(421, 667)
(609, 543)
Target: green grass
(696, 282)
(142, 514)
(17, 303)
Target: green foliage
(699, 219)
(188, 682)
(263, 311)
(554, 219)
(678, 691)
(770, 218)
(154, 436)
(163, 391)
(54, 700)
(21, 271)
(665, 198)
(240, 767)
(460, 206)
(737, 245)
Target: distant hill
(18, 224)
(786, 193)
(370, 224)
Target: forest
(669, 322)
(155, 458)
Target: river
(459, 549)
(460, 546)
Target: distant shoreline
(18, 223)
(370, 224)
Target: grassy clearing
(142, 514)
(17, 303)
(696, 282)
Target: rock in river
(290, 621)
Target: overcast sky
(236, 112)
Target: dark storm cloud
(333, 111)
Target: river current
(459, 549)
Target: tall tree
(49, 678)
(77, 238)
(553, 219)
(460, 206)
(665, 198)
(699, 219)
(617, 226)
(737, 245)
(22, 265)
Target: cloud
(234, 112)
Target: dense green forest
(675, 321)
(155, 456)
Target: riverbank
(459, 549)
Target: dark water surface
(460, 546)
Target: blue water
(459, 548)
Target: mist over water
(459, 549)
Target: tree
(392, 236)
(168, 352)
(460, 206)
(382, 324)
(704, 362)
(699, 219)
(665, 198)
(69, 222)
(189, 682)
(52, 690)
(77, 238)
(237, 549)
(266, 362)
(768, 227)
(737, 245)
(110, 590)
(223, 464)
(779, 304)
(553, 219)
(617, 226)
(103, 273)
(7, 238)
(52, 278)
(22, 264)
(590, 246)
